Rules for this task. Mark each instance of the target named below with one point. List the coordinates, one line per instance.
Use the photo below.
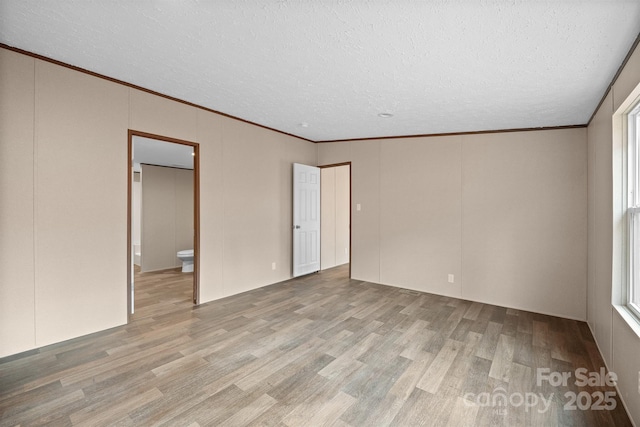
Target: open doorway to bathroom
(163, 224)
(335, 216)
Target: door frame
(196, 210)
(335, 165)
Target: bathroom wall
(63, 251)
(136, 217)
(335, 211)
(167, 216)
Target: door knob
(296, 227)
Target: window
(633, 209)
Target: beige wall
(524, 220)
(80, 176)
(420, 215)
(17, 254)
(334, 202)
(64, 221)
(167, 216)
(504, 213)
(617, 341)
(258, 205)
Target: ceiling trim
(479, 132)
(152, 92)
(615, 77)
(131, 85)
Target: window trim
(620, 225)
(631, 145)
(623, 168)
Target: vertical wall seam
(130, 285)
(461, 279)
(589, 222)
(380, 211)
(588, 199)
(610, 142)
(335, 216)
(223, 208)
(196, 212)
(34, 207)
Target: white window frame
(632, 203)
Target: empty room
(370, 213)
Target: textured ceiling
(154, 152)
(324, 70)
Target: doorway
(174, 164)
(335, 213)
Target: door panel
(306, 219)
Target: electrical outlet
(273, 265)
(451, 278)
(358, 206)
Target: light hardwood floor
(319, 350)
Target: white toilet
(186, 257)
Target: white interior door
(306, 219)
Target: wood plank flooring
(314, 351)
